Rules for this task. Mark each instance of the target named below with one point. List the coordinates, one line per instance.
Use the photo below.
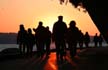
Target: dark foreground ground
(86, 59)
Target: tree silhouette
(98, 12)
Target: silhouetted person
(100, 40)
(81, 39)
(72, 38)
(22, 39)
(47, 40)
(96, 40)
(59, 30)
(40, 38)
(86, 39)
(31, 42)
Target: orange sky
(30, 12)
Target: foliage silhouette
(97, 10)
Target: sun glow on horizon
(30, 12)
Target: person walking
(86, 39)
(59, 31)
(31, 42)
(73, 35)
(96, 40)
(47, 40)
(40, 38)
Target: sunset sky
(30, 12)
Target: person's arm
(34, 29)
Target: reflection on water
(4, 46)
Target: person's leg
(81, 45)
(75, 49)
(70, 49)
(63, 50)
(42, 47)
(57, 44)
(38, 49)
(31, 49)
(48, 48)
(28, 49)
(20, 48)
(24, 47)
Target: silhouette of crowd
(26, 40)
(98, 40)
(64, 38)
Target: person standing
(96, 40)
(22, 39)
(31, 42)
(81, 40)
(86, 39)
(47, 40)
(59, 31)
(100, 40)
(40, 38)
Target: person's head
(21, 27)
(29, 30)
(47, 27)
(96, 34)
(80, 31)
(86, 33)
(72, 23)
(60, 18)
(40, 23)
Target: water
(52, 46)
(4, 46)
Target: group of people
(61, 35)
(98, 40)
(26, 40)
(71, 36)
